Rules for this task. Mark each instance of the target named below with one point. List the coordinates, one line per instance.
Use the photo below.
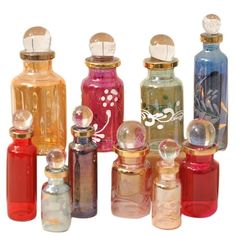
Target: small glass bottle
(21, 169)
(103, 91)
(41, 91)
(166, 192)
(55, 196)
(199, 173)
(211, 81)
(83, 165)
(131, 173)
(162, 94)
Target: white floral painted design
(108, 99)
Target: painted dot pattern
(110, 98)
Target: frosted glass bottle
(41, 91)
(162, 94)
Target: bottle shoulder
(205, 55)
(88, 147)
(22, 149)
(148, 82)
(128, 168)
(55, 189)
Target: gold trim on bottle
(56, 173)
(131, 153)
(200, 151)
(164, 169)
(37, 56)
(152, 63)
(110, 63)
(211, 38)
(78, 132)
(21, 134)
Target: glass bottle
(55, 195)
(103, 91)
(166, 191)
(41, 91)
(162, 94)
(21, 169)
(83, 165)
(199, 173)
(131, 173)
(211, 81)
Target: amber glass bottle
(41, 91)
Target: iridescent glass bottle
(211, 81)
(103, 92)
(131, 173)
(83, 165)
(166, 191)
(162, 94)
(55, 196)
(21, 169)
(199, 173)
(41, 91)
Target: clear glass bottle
(41, 91)
(131, 173)
(21, 169)
(55, 196)
(211, 81)
(103, 91)
(83, 165)
(166, 191)
(162, 94)
(199, 173)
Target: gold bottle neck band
(20, 134)
(211, 38)
(166, 169)
(155, 64)
(82, 133)
(131, 153)
(103, 62)
(56, 174)
(37, 56)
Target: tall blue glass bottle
(210, 81)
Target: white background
(132, 23)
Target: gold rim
(91, 63)
(211, 38)
(168, 169)
(37, 56)
(152, 63)
(76, 132)
(21, 134)
(56, 175)
(130, 153)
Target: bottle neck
(161, 74)
(22, 142)
(167, 177)
(211, 46)
(82, 140)
(95, 73)
(37, 66)
(55, 181)
(200, 159)
(132, 160)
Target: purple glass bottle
(103, 91)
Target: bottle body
(210, 90)
(56, 206)
(83, 177)
(103, 93)
(21, 180)
(162, 107)
(166, 202)
(42, 92)
(200, 180)
(131, 188)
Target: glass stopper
(37, 39)
(82, 116)
(162, 47)
(201, 133)
(131, 135)
(211, 23)
(169, 150)
(102, 45)
(56, 159)
(22, 120)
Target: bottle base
(80, 214)
(22, 212)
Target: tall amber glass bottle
(41, 91)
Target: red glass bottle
(199, 173)
(21, 169)
(103, 91)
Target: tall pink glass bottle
(103, 91)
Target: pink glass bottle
(131, 173)
(199, 173)
(103, 91)
(21, 169)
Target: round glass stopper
(37, 39)
(82, 116)
(22, 120)
(131, 135)
(169, 150)
(56, 159)
(162, 47)
(201, 133)
(211, 23)
(102, 45)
